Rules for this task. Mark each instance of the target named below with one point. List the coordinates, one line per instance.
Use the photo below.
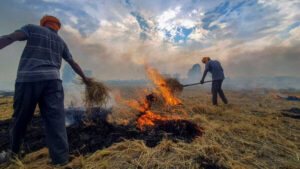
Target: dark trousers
(49, 95)
(215, 89)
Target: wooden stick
(193, 84)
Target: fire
(146, 116)
(160, 83)
(132, 103)
(274, 95)
(148, 119)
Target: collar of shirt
(51, 29)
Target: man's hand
(87, 80)
(9, 39)
(202, 81)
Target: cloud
(69, 12)
(12, 19)
(250, 38)
(271, 61)
(267, 56)
(294, 37)
(106, 61)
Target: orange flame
(161, 84)
(132, 103)
(148, 118)
(274, 95)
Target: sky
(251, 38)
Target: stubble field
(252, 131)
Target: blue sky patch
(86, 24)
(286, 33)
(214, 14)
(182, 34)
(142, 24)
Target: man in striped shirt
(38, 82)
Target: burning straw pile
(96, 94)
(174, 85)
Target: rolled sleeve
(67, 56)
(25, 30)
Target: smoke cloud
(112, 48)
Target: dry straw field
(250, 132)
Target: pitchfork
(192, 84)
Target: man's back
(215, 68)
(38, 82)
(42, 56)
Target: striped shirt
(42, 55)
(215, 68)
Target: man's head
(205, 59)
(51, 21)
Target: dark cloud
(271, 61)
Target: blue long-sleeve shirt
(214, 67)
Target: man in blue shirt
(38, 82)
(215, 68)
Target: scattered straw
(96, 93)
(174, 85)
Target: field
(250, 132)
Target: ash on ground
(88, 137)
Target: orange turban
(50, 21)
(205, 59)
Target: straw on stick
(173, 84)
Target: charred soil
(98, 134)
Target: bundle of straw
(96, 93)
(173, 84)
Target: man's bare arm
(79, 71)
(203, 76)
(9, 39)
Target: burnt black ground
(98, 134)
(294, 110)
(292, 113)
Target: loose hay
(174, 85)
(242, 135)
(96, 94)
